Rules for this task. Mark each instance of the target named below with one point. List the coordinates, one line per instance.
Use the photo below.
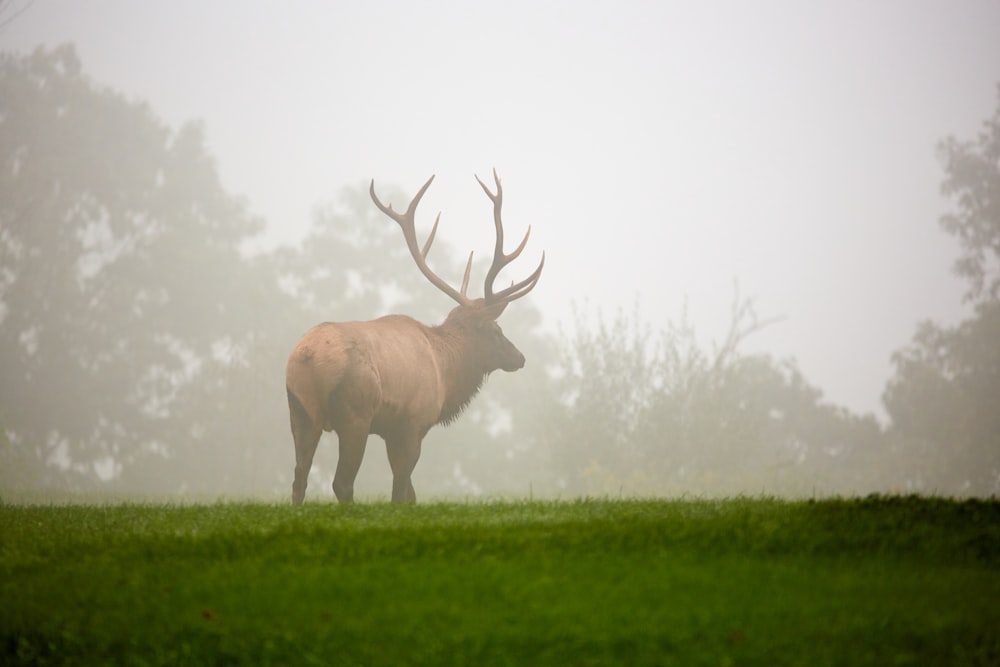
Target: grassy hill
(877, 581)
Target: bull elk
(394, 376)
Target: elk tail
(297, 412)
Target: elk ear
(494, 311)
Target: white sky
(659, 150)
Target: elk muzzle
(511, 358)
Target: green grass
(879, 581)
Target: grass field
(878, 581)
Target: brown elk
(394, 376)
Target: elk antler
(405, 221)
(500, 259)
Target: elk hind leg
(353, 440)
(306, 435)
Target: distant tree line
(142, 346)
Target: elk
(395, 377)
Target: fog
(660, 151)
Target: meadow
(742, 581)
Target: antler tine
(430, 237)
(520, 289)
(498, 256)
(406, 223)
(468, 271)
(500, 259)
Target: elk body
(395, 377)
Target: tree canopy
(944, 396)
(121, 266)
(972, 179)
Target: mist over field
(771, 238)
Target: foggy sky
(658, 150)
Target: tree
(942, 399)
(121, 272)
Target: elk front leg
(403, 455)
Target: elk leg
(352, 451)
(306, 438)
(403, 455)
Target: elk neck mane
(462, 371)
